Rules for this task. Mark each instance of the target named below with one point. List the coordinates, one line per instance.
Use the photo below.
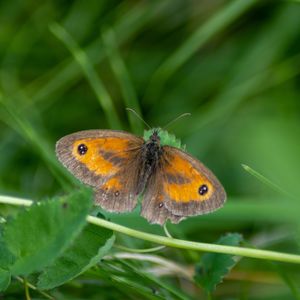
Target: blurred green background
(67, 66)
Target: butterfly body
(120, 166)
(151, 152)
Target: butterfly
(121, 166)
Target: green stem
(154, 249)
(29, 285)
(171, 242)
(27, 295)
(176, 243)
(167, 231)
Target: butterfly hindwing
(120, 192)
(153, 208)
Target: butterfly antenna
(176, 119)
(139, 117)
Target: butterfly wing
(189, 188)
(107, 160)
(180, 186)
(153, 208)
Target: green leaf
(213, 267)
(6, 257)
(86, 251)
(40, 233)
(4, 279)
(6, 260)
(165, 138)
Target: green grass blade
(197, 39)
(68, 72)
(248, 75)
(289, 280)
(123, 77)
(266, 181)
(95, 82)
(39, 144)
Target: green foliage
(166, 138)
(5, 277)
(214, 267)
(85, 252)
(233, 64)
(126, 275)
(7, 259)
(39, 234)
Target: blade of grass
(174, 291)
(27, 131)
(280, 73)
(266, 181)
(68, 72)
(89, 14)
(286, 277)
(176, 243)
(192, 44)
(94, 80)
(290, 282)
(123, 77)
(248, 75)
(173, 267)
(9, 72)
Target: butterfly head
(154, 137)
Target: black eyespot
(203, 189)
(117, 193)
(82, 149)
(160, 205)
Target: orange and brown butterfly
(120, 166)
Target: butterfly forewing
(107, 160)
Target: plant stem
(154, 249)
(166, 264)
(167, 231)
(176, 243)
(27, 295)
(29, 285)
